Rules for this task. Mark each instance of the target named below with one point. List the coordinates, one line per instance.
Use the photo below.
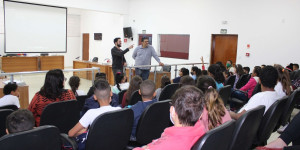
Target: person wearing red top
(249, 87)
(185, 112)
(52, 91)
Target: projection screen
(34, 28)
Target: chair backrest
(13, 107)
(269, 121)
(153, 121)
(246, 128)
(110, 131)
(43, 137)
(81, 101)
(135, 97)
(168, 91)
(218, 138)
(121, 94)
(3, 114)
(242, 81)
(256, 89)
(225, 93)
(64, 115)
(289, 107)
(230, 80)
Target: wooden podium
(107, 69)
(36, 63)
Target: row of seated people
(270, 75)
(188, 96)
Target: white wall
(271, 27)
(112, 6)
(110, 25)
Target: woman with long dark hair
(133, 86)
(214, 71)
(52, 91)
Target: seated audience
(121, 83)
(290, 134)
(52, 91)
(295, 74)
(226, 74)
(238, 72)
(246, 70)
(187, 80)
(289, 67)
(228, 64)
(214, 112)
(99, 75)
(165, 80)
(74, 83)
(103, 96)
(11, 94)
(268, 79)
(195, 72)
(283, 86)
(182, 72)
(295, 67)
(204, 72)
(147, 91)
(187, 129)
(19, 120)
(214, 71)
(133, 86)
(246, 91)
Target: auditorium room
(149, 75)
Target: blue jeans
(239, 95)
(144, 74)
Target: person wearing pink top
(241, 94)
(205, 121)
(187, 107)
(214, 113)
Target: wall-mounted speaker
(97, 36)
(127, 32)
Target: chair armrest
(66, 140)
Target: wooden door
(223, 48)
(85, 46)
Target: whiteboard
(34, 28)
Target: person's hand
(202, 59)
(125, 64)
(161, 64)
(130, 47)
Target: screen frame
(66, 50)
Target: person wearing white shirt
(103, 95)
(267, 97)
(11, 94)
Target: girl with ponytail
(215, 112)
(283, 86)
(121, 83)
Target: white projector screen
(34, 28)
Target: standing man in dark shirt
(118, 59)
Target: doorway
(223, 48)
(85, 46)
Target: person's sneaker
(280, 130)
